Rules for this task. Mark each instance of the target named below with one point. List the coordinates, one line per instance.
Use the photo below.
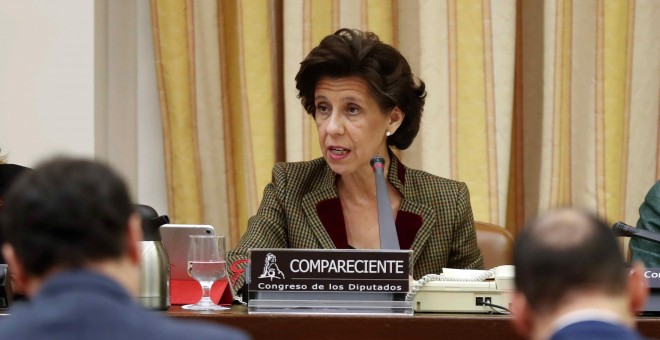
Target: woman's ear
(396, 118)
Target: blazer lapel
(323, 212)
(421, 217)
(325, 217)
(413, 218)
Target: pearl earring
(388, 133)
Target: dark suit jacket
(595, 330)
(8, 175)
(649, 219)
(86, 305)
(301, 209)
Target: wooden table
(444, 326)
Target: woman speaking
(365, 101)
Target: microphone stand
(387, 229)
(622, 229)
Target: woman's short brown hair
(350, 53)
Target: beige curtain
(590, 85)
(219, 85)
(533, 104)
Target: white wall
(151, 186)
(77, 77)
(46, 79)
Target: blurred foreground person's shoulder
(72, 241)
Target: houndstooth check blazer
(301, 209)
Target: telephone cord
(495, 308)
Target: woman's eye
(353, 110)
(322, 108)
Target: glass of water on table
(206, 264)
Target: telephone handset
(463, 290)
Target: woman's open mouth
(337, 152)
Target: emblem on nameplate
(271, 270)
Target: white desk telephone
(464, 291)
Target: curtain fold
(226, 103)
(173, 45)
(534, 104)
(465, 52)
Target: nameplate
(653, 277)
(652, 306)
(315, 270)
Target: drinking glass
(206, 264)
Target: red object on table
(183, 292)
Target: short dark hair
(3, 158)
(66, 213)
(566, 251)
(349, 53)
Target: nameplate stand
(313, 281)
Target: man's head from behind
(68, 214)
(567, 260)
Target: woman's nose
(335, 124)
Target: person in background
(365, 102)
(8, 174)
(72, 241)
(649, 219)
(572, 281)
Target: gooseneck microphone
(622, 229)
(388, 237)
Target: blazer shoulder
(300, 167)
(421, 179)
(303, 174)
(426, 188)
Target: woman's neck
(360, 186)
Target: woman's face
(350, 124)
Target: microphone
(388, 237)
(622, 229)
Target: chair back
(495, 243)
